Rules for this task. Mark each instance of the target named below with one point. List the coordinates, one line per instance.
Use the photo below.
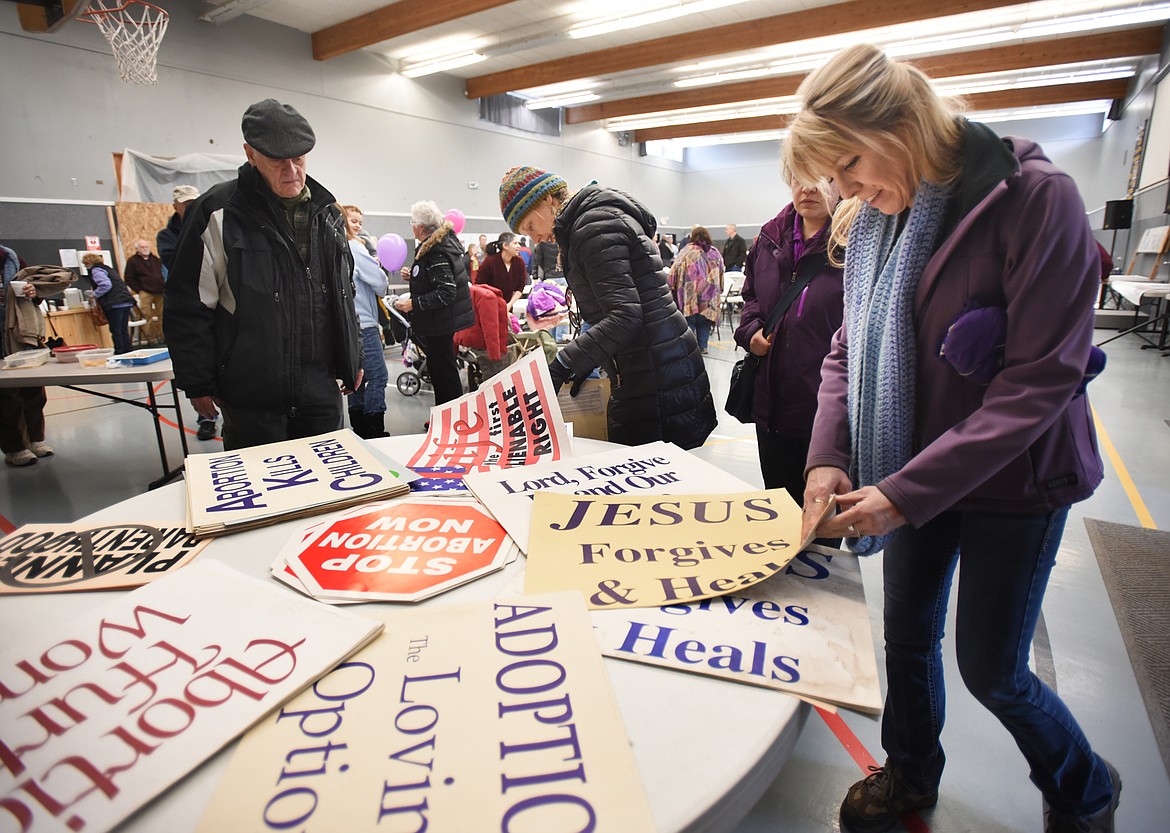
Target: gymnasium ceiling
(726, 69)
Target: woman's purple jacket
(1025, 442)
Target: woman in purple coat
(785, 399)
(953, 423)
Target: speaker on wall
(1118, 214)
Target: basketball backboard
(48, 15)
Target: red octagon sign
(400, 551)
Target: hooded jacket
(491, 327)
(660, 389)
(785, 400)
(244, 314)
(1015, 237)
(439, 287)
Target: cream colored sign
(469, 717)
(804, 631)
(647, 551)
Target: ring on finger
(853, 530)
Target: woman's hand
(405, 273)
(404, 304)
(759, 345)
(30, 291)
(864, 512)
(822, 483)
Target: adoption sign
(53, 558)
(108, 710)
(249, 487)
(805, 631)
(402, 550)
(513, 419)
(657, 468)
(469, 717)
(648, 551)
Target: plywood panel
(141, 220)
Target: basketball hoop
(134, 29)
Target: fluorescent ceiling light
(632, 21)
(230, 10)
(1079, 108)
(433, 65)
(562, 100)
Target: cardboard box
(587, 410)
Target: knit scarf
(882, 269)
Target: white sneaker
(24, 457)
(41, 449)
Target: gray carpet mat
(1135, 564)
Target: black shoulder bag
(743, 375)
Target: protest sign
(513, 419)
(109, 709)
(469, 717)
(231, 491)
(654, 468)
(805, 631)
(404, 550)
(53, 558)
(647, 551)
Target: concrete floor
(106, 453)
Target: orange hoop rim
(89, 15)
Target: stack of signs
(467, 717)
(401, 551)
(653, 469)
(52, 558)
(106, 711)
(236, 490)
(513, 419)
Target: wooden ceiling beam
(834, 19)
(1093, 47)
(391, 21)
(998, 100)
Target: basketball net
(134, 30)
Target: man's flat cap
(277, 130)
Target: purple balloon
(456, 219)
(391, 252)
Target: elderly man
(260, 316)
(734, 250)
(144, 276)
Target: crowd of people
(924, 354)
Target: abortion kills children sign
(512, 419)
(484, 716)
(649, 551)
(54, 558)
(231, 491)
(400, 551)
(652, 469)
(107, 710)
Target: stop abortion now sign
(403, 550)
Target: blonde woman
(953, 423)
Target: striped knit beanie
(522, 189)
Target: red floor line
(6, 525)
(857, 751)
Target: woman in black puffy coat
(660, 389)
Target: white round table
(707, 749)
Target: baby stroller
(414, 358)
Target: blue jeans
(701, 327)
(1005, 563)
(371, 396)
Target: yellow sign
(653, 550)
